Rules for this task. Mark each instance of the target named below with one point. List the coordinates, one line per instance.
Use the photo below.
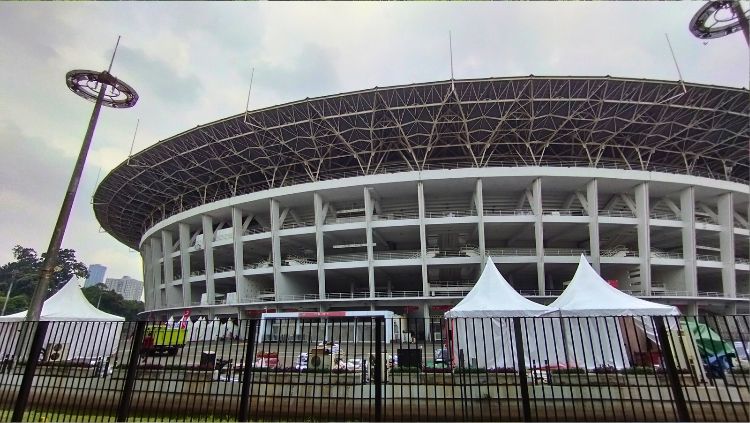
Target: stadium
(392, 198)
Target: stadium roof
(524, 121)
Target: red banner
(441, 307)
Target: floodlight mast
(105, 90)
(738, 21)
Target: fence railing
(329, 367)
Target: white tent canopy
(483, 334)
(84, 331)
(590, 295)
(492, 296)
(596, 338)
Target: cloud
(190, 63)
(308, 72)
(157, 76)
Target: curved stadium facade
(392, 198)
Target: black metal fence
(371, 368)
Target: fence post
(378, 368)
(28, 373)
(518, 334)
(123, 408)
(669, 364)
(247, 365)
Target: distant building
(96, 275)
(130, 289)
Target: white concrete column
(426, 320)
(276, 248)
(369, 204)
(423, 239)
(320, 244)
(156, 268)
(208, 257)
(239, 253)
(592, 209)
(726, 243)
(643, 216)
(148, 276)
(166, 247)
(187, 298)
(687, 207)
(479, 204)
(536, 206)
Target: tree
(24, 271)
(16, 303)
(112, 302)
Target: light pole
(10, 289)
(719, 18)
(13, 280)
(105, 90)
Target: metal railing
(494, 211)
(259, 265)
(293, 224)
(352, 219)
(664, 216)
(434, 214)
(256, 230)
(376, 368)
(399, 215)
(503, 252)
(616, 213)
(338, 258)
(707, 257)
(347, 295)
(705, 219)
(396, 255)
(564, 212)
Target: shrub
(405, 369)
(480, 371)
(604, 370)
(66, 364)
(437, 369)
(644, 370)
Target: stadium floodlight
(104, 90)
(720, 18)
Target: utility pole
(105, 90)
(10, 288)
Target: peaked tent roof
(590, 295)
(492, 296)
(68, 304)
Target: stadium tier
(393, 198)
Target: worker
(148, 345)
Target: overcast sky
(191, 62)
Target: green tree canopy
(24, 270)
(112, 302)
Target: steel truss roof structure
(525, 121)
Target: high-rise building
(130, 289)
(96, 275)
